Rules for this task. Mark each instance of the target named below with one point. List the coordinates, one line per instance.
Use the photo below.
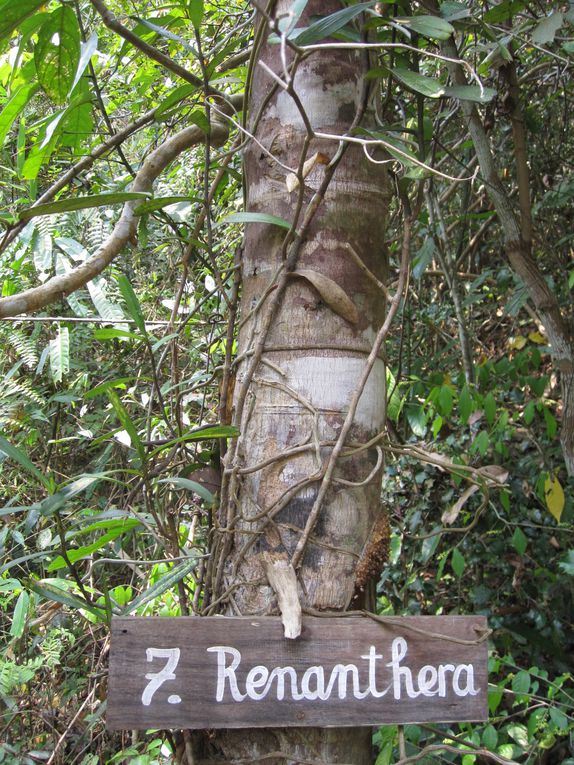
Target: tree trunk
(310, 314)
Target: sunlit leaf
(328, 25)
(429, 26)
(82, 203)
(14, 12)
(554, 495)
(254, 217)
(57, 53)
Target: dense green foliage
(113, 409)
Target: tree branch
(124, 231)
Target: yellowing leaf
(516, 343)
(537, 337)
(554, 494)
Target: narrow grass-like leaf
(328, 25)
(17, 455)
(50, 591)
(20, 613)
(82, 203)
(132, 303)
(185, 483)
(164, 584)
(87, 550)
(254, 217)
(127, 423)
(428, 26)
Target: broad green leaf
(481, 443)
(18, 456)
(118, 382)
(195, 12)
(489, 405)
(445, 400)
(567, 565)
(427, 86)
(429, 26)
(457, 562)
(57, 53)
(554, 495)
(19, 616)
(545, 30)
(470, 93)
(254, 217)
(559, 718)
(14, 107)
(83, 552)
(430, 544)
(132, 303)
(164, 584)
(519, 540)
(185, 483)
(490, 737)
(14, 12)
(519, 733)
(504, 11)
(395, 402)
(82, 203)
(107, 310)
(417, 419)
(60, 355)
(328, 25)
(127, 422)
(521, 682)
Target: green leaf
(82, 203)
(58, 500)
(457, 562)
(521, 682)
(470, 93)
(254, 217)
(195, 12)
(132, 303)
(127, 423)
(417, 419)
(159, 203)
(176, 95)
(14, 107)
(202, 434)
(559, 719)
(84, 552)
(185, 483)
(429, 26)
(165, 583)
(430, 544)
(481, 443)
(529, 411)
(49, 591)
(328, 25)
(423, 258)
(57, 53)
(490, 737)
(427, 86)
(550, 420)
(288, 22)
(12, 14)
(445, 400)
(113, 334)
(489, 405)
(519, 733)
(16, 455)
(20, 613)
(60, 354)
(520, 541)
(545, 30)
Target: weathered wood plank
(222, 672)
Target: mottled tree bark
(302, 348)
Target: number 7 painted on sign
(157, 679)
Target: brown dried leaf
(449, 516)
(331, 294)
(292, 181)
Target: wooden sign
(220, 672)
